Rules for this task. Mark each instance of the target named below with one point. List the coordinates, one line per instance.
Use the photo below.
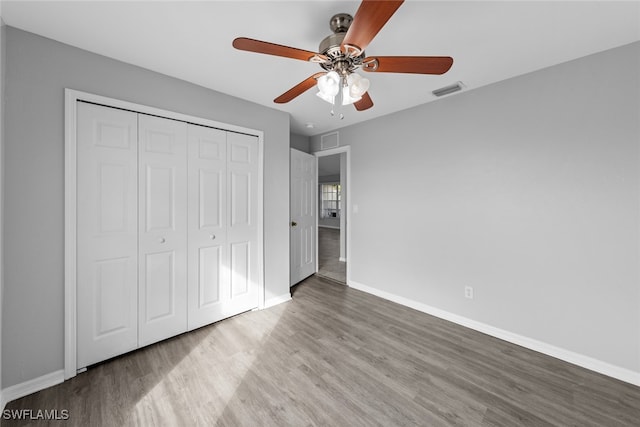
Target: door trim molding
(339, 150)
(71, 98)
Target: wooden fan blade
(298, 89)
(251, 45)
(365, 103)
(369, 19)
(408, 64)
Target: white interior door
(303, 215)
(243, 287)
(107, 230)
(208, 252)
(162, 287)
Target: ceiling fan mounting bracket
(340, 22)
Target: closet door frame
(72, 97)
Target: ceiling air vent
(449, 89)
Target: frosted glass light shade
(329, 84)
(347, 98)
(358, 85)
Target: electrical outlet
(468, 292)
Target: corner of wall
(277, 300)
(299, 142)
(2, 77)
(34, 385)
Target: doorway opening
(333, 166)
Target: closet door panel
(107, 233)
(208, 254)
(240, 269)
(242, 234)
(161, 284)
(163, 228)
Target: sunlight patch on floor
(243, 338)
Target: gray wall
(331, 179)
(38, 70)
(527, 190)
(299, 142)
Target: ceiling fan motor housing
(339, 61)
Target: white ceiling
(489, 41)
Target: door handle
(294, 224)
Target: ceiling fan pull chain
(338, 115)
(336, 109)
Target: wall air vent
(449, 89)
(329, 140)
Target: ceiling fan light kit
(342, 53)
(348, 89)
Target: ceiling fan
(342, 53)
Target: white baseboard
(581, 360)
(20, 390)
(277, 300)
(333, 227)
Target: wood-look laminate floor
(329, 264)
(336, 356)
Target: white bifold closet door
(167, 236)
(242, 226)
(107, 233)
(162, 198)
(223, 213)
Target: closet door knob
(162, 240)
(212, 236)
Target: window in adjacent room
(330, 201)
